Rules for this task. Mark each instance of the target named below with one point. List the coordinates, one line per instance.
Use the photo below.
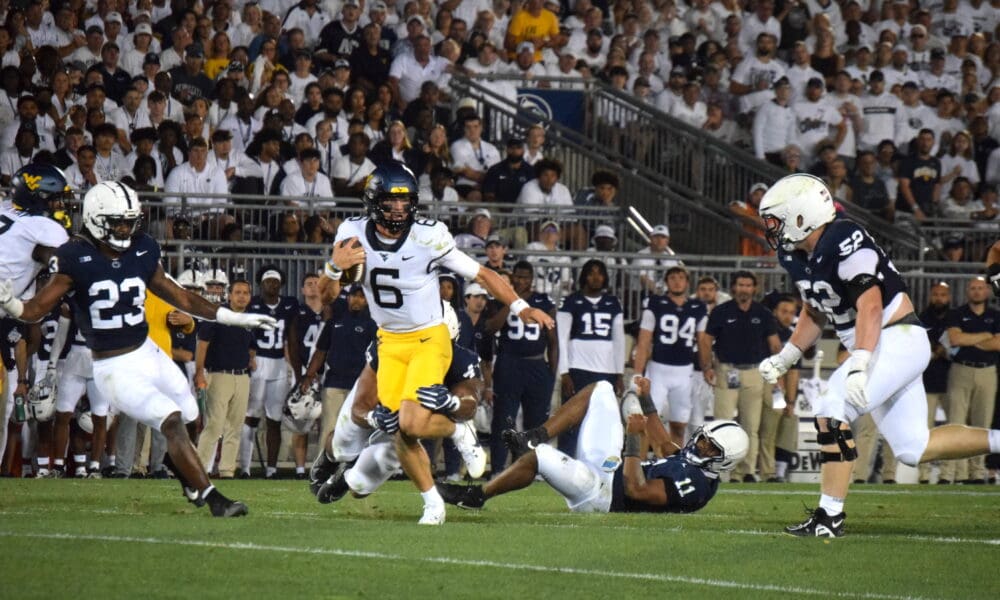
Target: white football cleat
(433, 515)
(468, 445)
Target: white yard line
(656, 577)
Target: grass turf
(130, 539)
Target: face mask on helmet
(718, 446)
(41, 189)
(390, 197)
(111, 214)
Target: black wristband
(646, 403)
(631, 445)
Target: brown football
(355, 273)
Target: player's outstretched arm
(42, 304)
(805, 335)
(502, 291)
(195, 305)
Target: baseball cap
(143, 29)
(474, 289)
(530, 47)
(481, 212)
(341, 64)
(901, 48)
(660, 230)
(758, 186)
(378, 6)
(194, 51)
(549, 224)
(605, 231)
(114, 17)
(351, 3)
(152, 58)
(782, 81)
(236, 67)
(95, 29)
(876, 75)
(495, 239)
(514, 139)
(412, 18)
(271, 274)
(467, 103)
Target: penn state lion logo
(32, 181)
(535, 105)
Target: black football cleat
(224, 507)
(334, 488)
(522, 442)
(321, 470)
(819, 524)
(469, 497)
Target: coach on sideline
(744, 333)
(226, 353)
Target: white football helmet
(304, 406)
(192, 280)
(732, 442)
(86, 421)
(451, 320)
(215, 276)
(795, 207)
(42, 400)
(107, 205)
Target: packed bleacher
(251, 127)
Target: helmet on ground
(391, 181)
(40, 189)
(727, 437)
(106, 207)
(795, 207)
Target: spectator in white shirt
(132, 59)
(774, 125)
(81, 175)
(879, 109)
(90, 54)
(409, 71)
(552, 198)
(659, 257)
(17, 157)
(129, 117)
(800, 71)
(814, 117)
(231, 162)
(308, 182)
(762, 21)
(472, 157)
(350, 172)
(195, 177)
(690, 109)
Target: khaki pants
(333, 400)
(747, 405)
(933, 401)
(865, 441)
(225, 409)
(971, 396)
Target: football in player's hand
(355, 273)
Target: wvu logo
(32, 181)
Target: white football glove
(247, 320)
(776, 365)
(8, 302)
(857, 378)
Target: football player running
(597, 479)
(400, 254)
(31, 229)
(846, 279)
(106, 269)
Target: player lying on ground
(596, 479)
(357, 455)
(846, 279)
(107, 268)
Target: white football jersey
(401, 279)
(19, 234)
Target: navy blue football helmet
(395, 181)
(41, 189)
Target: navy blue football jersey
(308, 325)
(521, 339)
(591, 320)
(48, 326)
(688, 486)
(674, 327)
(11, 332)
(818, 277)
(271, 342)
(109, 295)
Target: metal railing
(696, 226)
(667, 153)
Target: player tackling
(401, 254)
(106, 270)
(846, 279)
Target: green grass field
(139, 539)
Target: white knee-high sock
(246, 446)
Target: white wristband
(331, 271)
(14, 308)
(790, 354)
(517, 306)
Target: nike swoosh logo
(837, 523)
(730, 320)
(422, 340)
(141, 252)
(407, 257)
